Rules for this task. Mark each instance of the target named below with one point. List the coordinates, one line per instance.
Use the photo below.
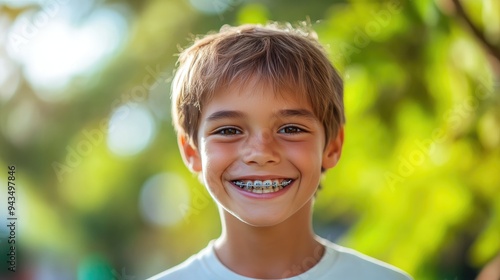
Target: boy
(259, 116)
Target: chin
(260, 221)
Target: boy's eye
(291, 130)
(227, 131)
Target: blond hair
(288, 59)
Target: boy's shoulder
(192, 268)
(337, 263)
(347, 263)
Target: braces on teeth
(257, 184)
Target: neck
(280, 251)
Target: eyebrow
(297, 113)
(229, 114)
(225, 114)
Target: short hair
(287, 58)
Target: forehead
(259, 91)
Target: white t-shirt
(337, 263)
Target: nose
(261, 149)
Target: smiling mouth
(258, 186)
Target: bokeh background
(101, 189)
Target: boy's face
(250, 137)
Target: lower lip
(263, 195)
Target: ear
(189, 153)
(333, 150)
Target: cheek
(305, 154)
(214, 179)
(307, 159)
(216, 158)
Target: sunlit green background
(101, 189)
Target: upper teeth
(262, 184)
